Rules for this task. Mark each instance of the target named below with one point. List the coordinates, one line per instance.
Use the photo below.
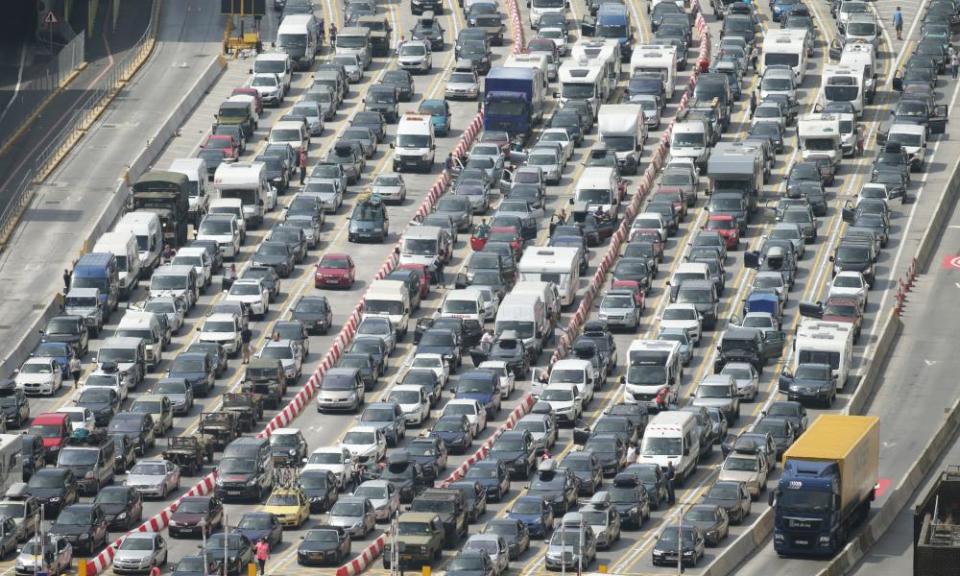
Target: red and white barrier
(364, 559)
(516, 414)
(516, 27)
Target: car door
(773, 341)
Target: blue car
(257, 525)
(493, 475)
(439, 112)
(781, 8)
(59, 351)
(535, 512)
(454, 431)
(482, 386)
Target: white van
(577, 372)
(296, 134)
(297, 37)
(546, 291)
(355, 40)
(672, 437)
(651, 366)
(275, 63)
(415, 147)
(464, 303)
(247, 181)
(230, 207)
(526, 315)
(145, 226)
(123, 245)
(597, 187)
(623, 129)
(389, 298)
(146, 326)
(195, 169)
(559, 265)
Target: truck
(167, 194)
(936, 527)
(622, 128)
(739, 169)
(828, 482)
(513, 100)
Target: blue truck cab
(513, 100)
(613, 22)
(99, 270)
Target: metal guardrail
(75, 124)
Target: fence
(76, 123)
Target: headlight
(55, 499)
(293, 452)
(219, 481)
(794, 388)
(688, 552)
(252, 482)
(84, 536)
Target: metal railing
(75, 124)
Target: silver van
(126, 355)
(176, 281)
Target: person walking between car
(955, 64)
(229, 275)
(154, 570)
(898, 23)
(753, 103)
(75, 368)
(263, 552)
(302, 162)
(245, 336)
(670, 474)
(67, 275)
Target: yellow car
(289, 505)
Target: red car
(507, 234)
(225, 142)
(335, 271)
(421, 270)
(725, 226)
(247, 91)
(675, 194)
(844, 309)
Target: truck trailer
(828, 482)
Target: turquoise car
(439, 112)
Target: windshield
(804, 501)
(78, 457)
(577, 91)
(647, 375)
(861, 29)
(193, 507)
(522, 328)
(841, 89)
(359, 438)
(662, 446)
(773, 58)
(36, 368)
(351, 41)
(13, 509)
(557, 395)
(777, 84)
(216, 227)
(566, 376)
(153, 469)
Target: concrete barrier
(114, 209)
(889, 336)
(743, 547)
(931, 236)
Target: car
(712, 521)
(365, 444)
(84, 525)
(196, 515)
(493, 475)
(810, 382)
(431, 454)
(732, 496)
(197, 370)
(440, 116)
(795, 412)
(462, 85)
(235, 548)
(324, 545)
(154, 477)
(287, 507)
(390, 187)
(570, 547)
(354, 515)
(588, 470)
(314, 312)
(542, 428)
(251, 293)
(781, 429)
(746, 379)
(749, 468)
(513, 531)
(402, 80)
(494, 545)
(685, 541)
(383, 494)
(455, 431)
(194, 565)
(41, 376)
(850, 283)
(139, 553)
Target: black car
(629, 496)
(365, 364)
(69, 329)
(84, 525)
(430, 453)
(195, 565)
(197, 368)
(217, 354)
(276, 255)
(792, 411)
(294, 238)
(372, 120)
(428, 29)
(441, 341)
(810, 383)
(676, 540)
(103, 402)
(454, 431)
(733, 497)
(515, 532)
(558, 486)
(137, 426)
(369, 221)
(32, 454)
(55, 488)
(320, 488)
(15, 408)
(371, 345)
(324, 545)
(587, 469)
(609, 450)
(278, 171)
(711, 519)
(402, 81)
(384, 100)
(493, 475)
(124, 453)
(314, 312)
(239, 552)
(288, 449)
(406, 474)
(122, 506)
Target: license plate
(332, 281)
(802, 542)
(233, 492)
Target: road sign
(50, 18)
(951, 262)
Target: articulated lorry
(513, 100)
(828, 482)
(167, 194)
(936, 527)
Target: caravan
(819, 136)
(582, 83)
(247, 181)
(819, 342)
(606, 55)
(661, 60)
(787, 48)
(559, 265)
(843, 83)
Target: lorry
(738, 169)
(936, 527)
(829, 479)
(167, 194)
(513, 100)
(622, 129)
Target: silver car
(383, 495)
(462, 85)
(310, 111)
(618, 308)
(139, 552)
(353, 514)
(328, 192)
(542, 428)
(154, 478)
(379, 327)
(566, 547)
(390, 187)
(175, 309)
(29, 559)
(791, 232)
(289, 354)
(716, 391)
(548, 159)
(745, 378)
(352, 65)
(681, 336)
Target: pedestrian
(450, 161)
(154, 570)
(75, 368)
(898, 23)
(753, 103)
(263, 552)
(168, 253)
(955, 64)
(670, 474)
(631, 454)
(245, 336)
(661, 399)
(67, 275)
(545, 456)
(229, 275)
(303, 164)
(276, 336)
(333, 34)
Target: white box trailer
(821, 342)
(661, 60)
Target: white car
(80, 418)
(508, 380)
(560, 136)
(199, 259)
(649, 221)
(433, 362)
(684, 317)
(39, 376)
(390, 187)
(250, 292)
(850, 284)
(269, 86)
(563, 398)
(335, 459)
(475, 413)
(154, 478)
(365, 444)
(414, 400)
(384, 496)
(224, 329)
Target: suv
(84, 525)
(265, 376)
(420, 536)
(452, 509)
(516, 449)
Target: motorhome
(819, 138)
(604, 53)
(672, 437)
(582, 82)
(559, 265)
(787, 47)
(539, 61)
(661, 60)
(623, 130)
(819, 342)
(652, 366)
(858, 55)
(248, 182)
(526, 315)
(843, 83)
